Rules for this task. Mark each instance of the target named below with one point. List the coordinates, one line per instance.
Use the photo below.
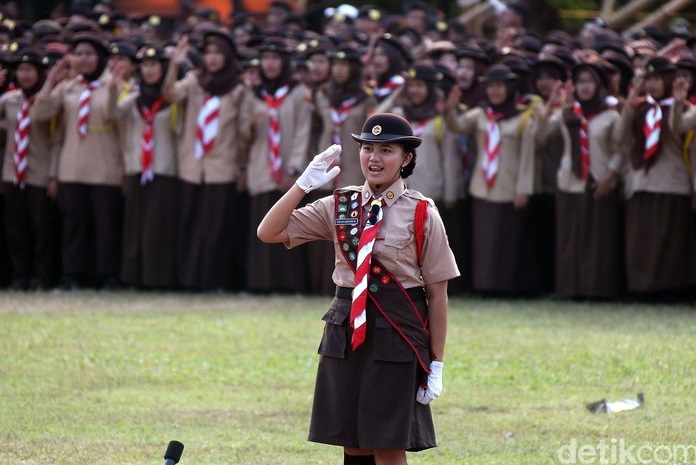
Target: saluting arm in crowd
(681, 121)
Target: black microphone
(173, 454)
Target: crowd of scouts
(561, 164)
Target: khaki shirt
(97, 159)
(294, 116)
(351, 173)
(164, 137)
(604, 150)
(42, 161)
(668, 174)
(395, 245)
(221, 164)
(516, 168)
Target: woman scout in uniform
(384, 339)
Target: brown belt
(417, 294)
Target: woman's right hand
(316, 174)
(453, 98)
(179, 55)
(59, 71)
(680, 89)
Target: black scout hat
(95, 40)
(346, 52)
(424, 73)
(387, 127)
(121, 47)
(151, 53)
(659, 65)
(498, 73)
(33, 56)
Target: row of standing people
(205, 156)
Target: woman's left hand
(604, 185)
(434, 388)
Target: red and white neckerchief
(147, 141)
(358, 306)
(83, 106)
(274, 101)
(207, 125)
(339, 116)
(419, 127)
(21, 139)
(583, 136)
(491, 159)
(395, 81)
(652, 126)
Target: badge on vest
(346, 222)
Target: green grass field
(92, 377)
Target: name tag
(346, 222)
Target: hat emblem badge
(377, 130)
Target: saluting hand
(59, 71)
(316, 174)
(453, 98)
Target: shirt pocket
(335, 337)
(388, 345)
(400, 250)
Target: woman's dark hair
(397, 62)
(352, 88)
(407, 170)
(223, 81)
(270, 86)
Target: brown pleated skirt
(272, 267)
(589, 245)
(503, 252)
(660, 242)
(367, 398)
(151, 215)
(541, 223)
(212, 237)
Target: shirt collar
(389, 195)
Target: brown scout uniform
(212, 220)
(90, 172)
(368, 380)
(660, 235)
(589, 246)
(29, 213)
(151, 211)
(271, 268)
(503, 257)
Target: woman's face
(213, 59)
(151, 71)
(271, 65)
(86, 58)
(496, 92)
(417, 91)
(340, 71)
(466, 73)
(381, 163)
(27, 75)
(655, 86)
(319, 66)
(545, 83)
(585, 86)
(449, 61)
(380, 61)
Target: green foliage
(91, 377)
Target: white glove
(424, 396)
(315, 175)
